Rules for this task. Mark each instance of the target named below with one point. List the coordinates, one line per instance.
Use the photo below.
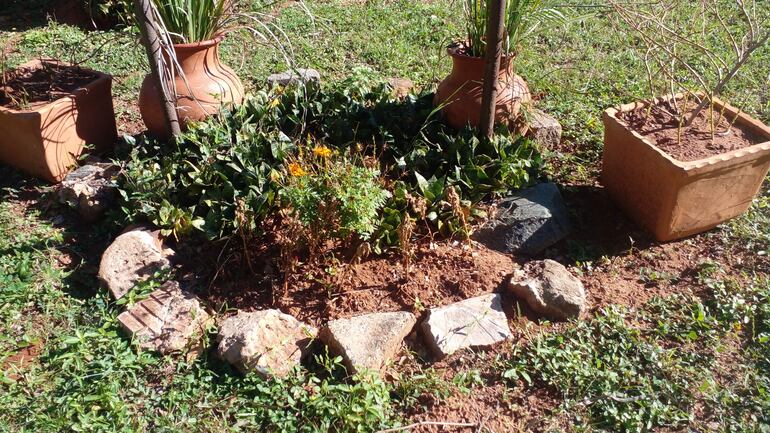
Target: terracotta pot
(209, 84)
(674, 199)
(46, 139)
(462, 90)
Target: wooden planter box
(674, 199)
(46, 139)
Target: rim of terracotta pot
(40, 107)
(610, 115)
(208, 43)
(455, 51)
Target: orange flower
(296, 170)
(322, 151)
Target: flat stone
(549, 289)
(527, 222)
(132, 257)
(267, 342)
(368, 342)
(89, 189)
(544, 129)
(169, 320)
(302, 76)
(401, 86)
(474, 322)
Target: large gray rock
(549, 289)
(132, 257)
(544, 129)
(527, 222)
(267, 342)
(169, 320)
(89, 189)
(368, 341)
(302, 76)
(473, 322)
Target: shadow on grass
(82, 243)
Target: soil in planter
(661, 127)
(24, 87)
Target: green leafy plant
(224, 175)
(219, 178)
(522, 18)
(114, 11)
(196, 20)
(332, 196)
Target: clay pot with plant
(460, 93)
(685, 162)
(190, 62)
(50, 112)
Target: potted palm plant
(685, 162)
(49, 112)
(460, 93)
(191, 67)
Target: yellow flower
(322, 151)
(296, 170)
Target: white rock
(267, 342)
(89, 189)
(302, 76)
(168, 320)
(132, 257)
(549, 289)
(473, 322)
(368, 341)
(544, 129)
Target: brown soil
(15, 364)
(661, 126)
(441, 273)
(22, 87)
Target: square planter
(672, 198)
(46, 139)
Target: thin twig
(434, 423)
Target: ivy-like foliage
(225, 174)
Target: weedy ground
(692, 354)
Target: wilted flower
(322, 151)
(296, 170)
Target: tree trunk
(152, 45)
(495, 28)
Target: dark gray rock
(303, 76)
(544, 129)
(89, 189)
(549, 289)
(527, 222)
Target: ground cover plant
(228, 173)
(676, 337)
